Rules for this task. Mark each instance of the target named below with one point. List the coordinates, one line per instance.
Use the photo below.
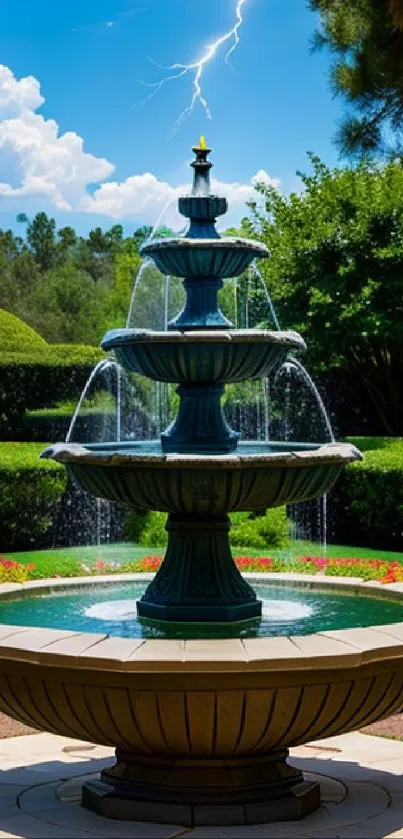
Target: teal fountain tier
(200, 471)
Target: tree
(335, 273)
(366, 37)
(66, 307)
(117, 299)
(67, 239)
(42, 240)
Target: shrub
(54, 423)
(17, 336)
(248, 529)
(367, 502)
(36, 379)
(30, 496)
(153, 533)
(260, 531)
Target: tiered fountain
(200, 471)
(201, 726)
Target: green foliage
(369, 495)
(30, 495)
(154, 533)
(117, 299)
(67, 306)
(366, 37)
(68, 287)
(335, 273)
(269, 530)
(45, 377)
(17, 336)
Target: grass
(67, 559)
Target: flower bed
(379, 570)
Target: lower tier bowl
(255, 477)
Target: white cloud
(40, 163)
(39, 160)
(146, 197)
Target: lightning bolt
(177, 71)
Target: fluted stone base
(240, 791)
(198, 579)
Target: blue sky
(87, 60)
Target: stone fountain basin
(201, 357)
(256, 476)
(199, 258)
(201, 699)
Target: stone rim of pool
(255, 696)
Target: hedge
(17, 336)
(366, 505)
(41, 378)
(40, 509)
(54, 423)
(31, 491)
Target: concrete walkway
(41, 776)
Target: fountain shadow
(359, 799)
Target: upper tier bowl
(197, 258)
(201, 357)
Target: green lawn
(124, 552)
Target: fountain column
(198, 580)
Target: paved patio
(41, 775)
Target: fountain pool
(287, 609)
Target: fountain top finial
(201, 166)
(201, 207)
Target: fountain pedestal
(239, 790)
(198, 579)
(200, 426)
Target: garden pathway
(41, 775)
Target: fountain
(201, 726)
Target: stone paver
(41, 775)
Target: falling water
(314, 390)
(269, 301)
(266, 407)
(160, 218)
(101, 367)
(146, 264)
(166, 301)
(247, 303)
(293, 365)
(103, 508)
(118, 404)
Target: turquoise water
(111, 609)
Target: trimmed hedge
(366, 506)
(39, 379)
(17, 336)
(31, 491)
(54, 423)
(39, 508)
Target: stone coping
(329, 453)
(119, 337)
(223, 243)
(334, 650)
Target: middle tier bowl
(202, 356)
